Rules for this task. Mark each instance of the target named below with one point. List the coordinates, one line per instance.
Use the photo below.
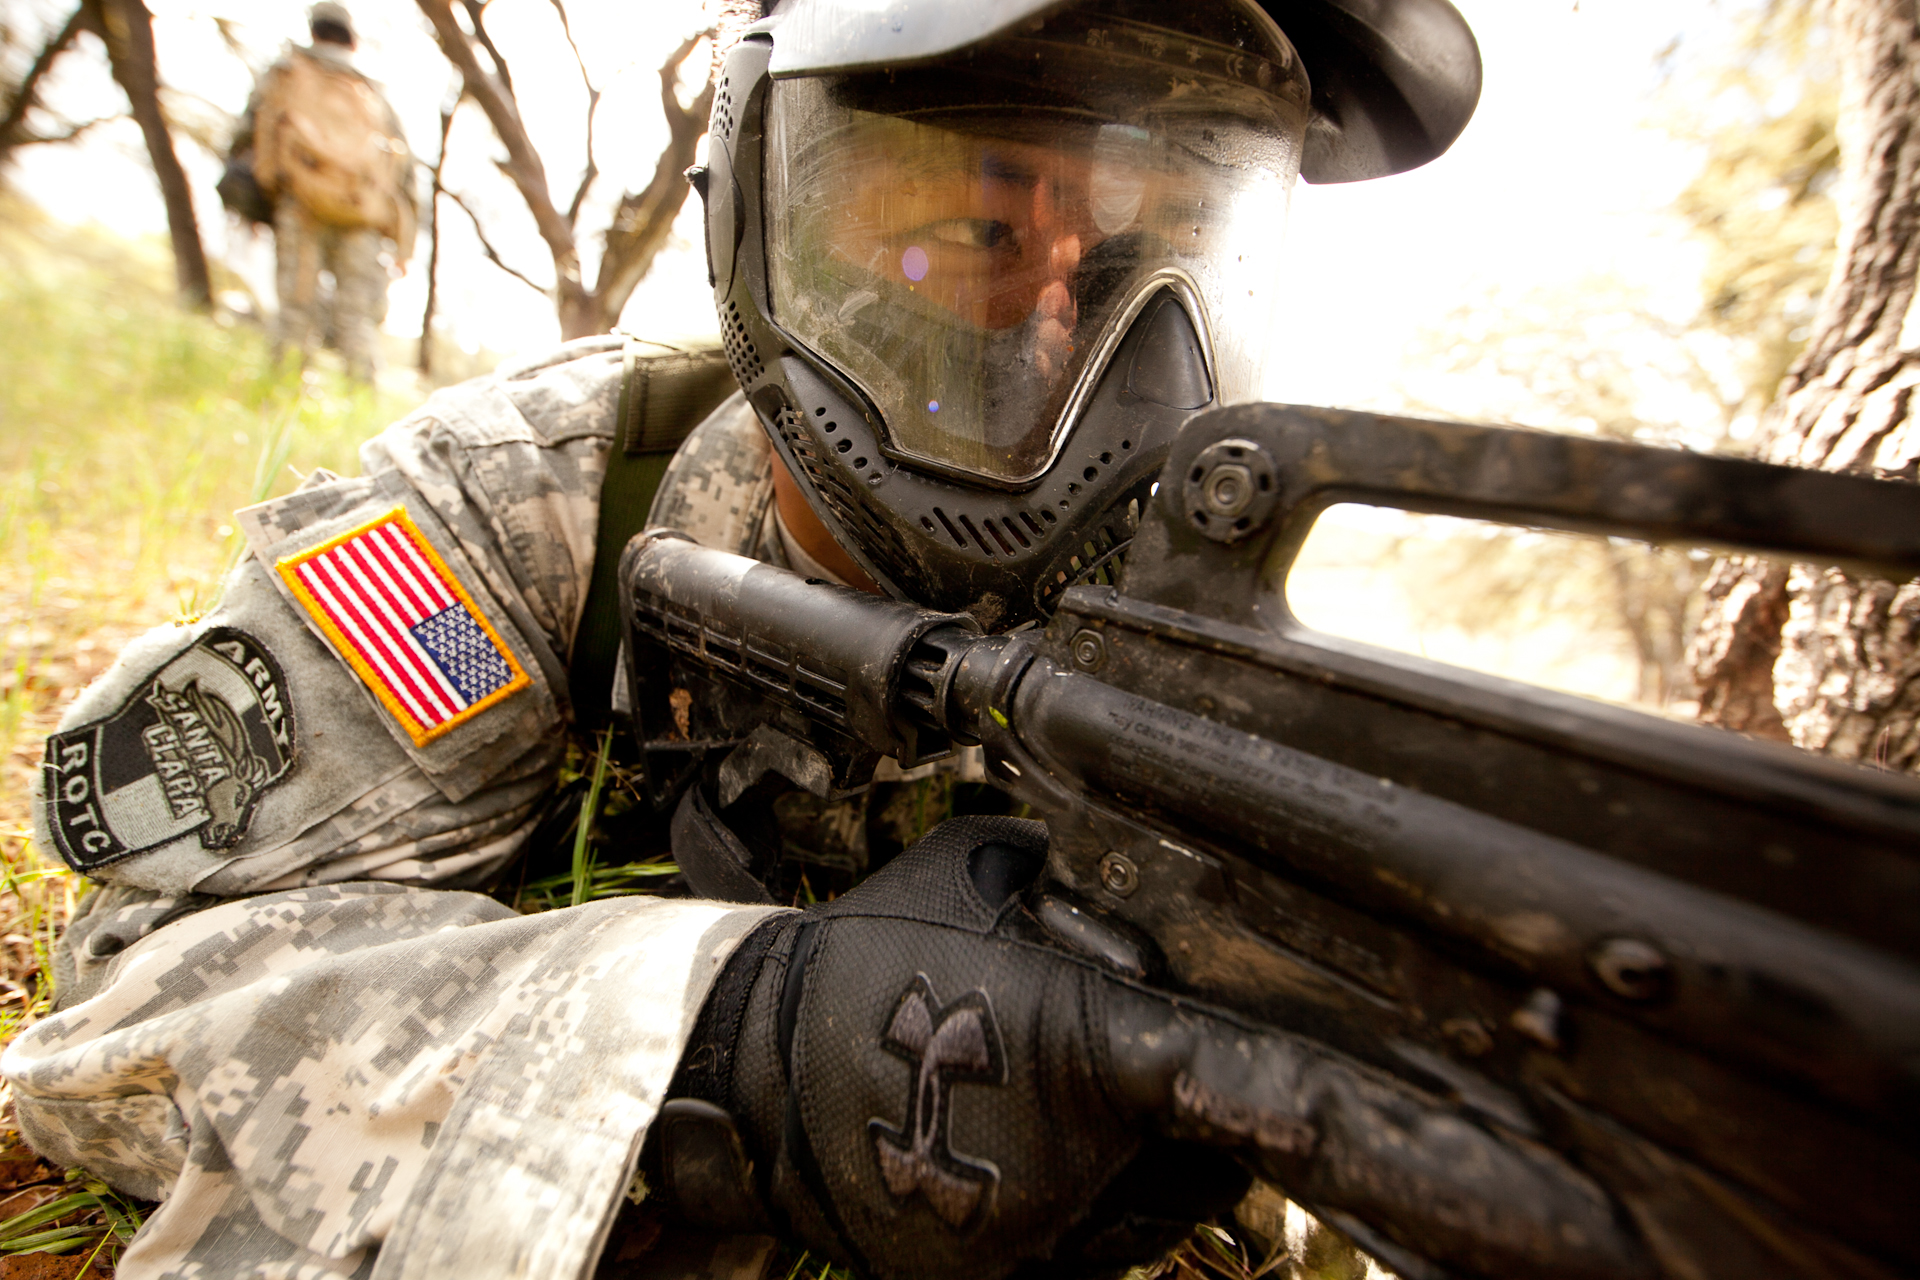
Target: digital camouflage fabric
(362, 1070)
(374, 1080)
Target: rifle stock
(1688, 962)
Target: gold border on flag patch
(406, 626)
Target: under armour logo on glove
(959, 1042)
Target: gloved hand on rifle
(919, 1081)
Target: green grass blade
(589, 808)
(48, 1212)
(61, 1240)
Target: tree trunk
(126, 28)
(1833, 658)
(579, 311)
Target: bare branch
(126, 28)
(593, 107)
(476, 14)
(448, 107)
(68, 134)
(199, 119)
(230, 36)
(645, 218)
(486, 245)
(26, 96)
(592, 170)
(566, 27)
(669, 91)
(523, 163)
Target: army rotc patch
(192, 750)
(402, 621)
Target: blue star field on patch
(462, 650)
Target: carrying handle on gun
(1254, 477)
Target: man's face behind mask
(962, 262)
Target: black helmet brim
(1394, 81)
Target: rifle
(1668, 960)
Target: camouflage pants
(369, 1080)
(303, 248)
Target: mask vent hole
(844, 446)
(1106, 458)
(1091, 472)
(1035, 524)
(820, 412)
(1126, 444)
(966, 522)
(1014, 529)
(832, 427)
(857, 462)
(723, 110)
(954, 533)
(742, 356)
(926, 523)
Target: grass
(129, 432)
(88, 1218)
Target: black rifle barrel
(1522, 900)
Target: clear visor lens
(962, 244)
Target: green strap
(665, 392)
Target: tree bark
(27, 95)
(126, 28)
(1833, 658)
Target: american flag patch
(404, 623)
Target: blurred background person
(329, 155)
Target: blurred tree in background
(1598, 359)
(642, 219)
(1830, 660)
(1762, 203)
(125, 29)
(589, 289)
(1603, 357)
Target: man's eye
(971, 233)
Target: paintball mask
(975, 269)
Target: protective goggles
(968, 241)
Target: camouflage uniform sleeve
(374, 1080)
(718, 490)
(347, 1074)
(381, 691)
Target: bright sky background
(1558, 178)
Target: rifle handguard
(874, 670)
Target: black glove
(917, 1081)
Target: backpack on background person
(325, 138)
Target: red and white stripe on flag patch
(403, 622)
